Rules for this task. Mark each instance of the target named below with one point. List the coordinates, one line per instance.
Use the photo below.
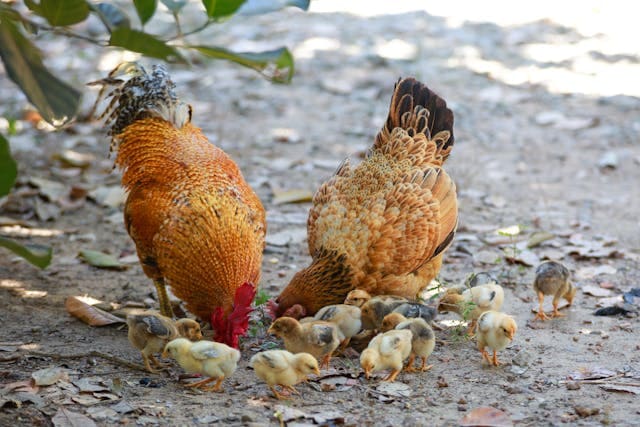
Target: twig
(93, 353)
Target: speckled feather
(194, 219)
(384, 224)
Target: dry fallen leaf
(89, 314)
(66, 418)
(49, 376)
(622, 388)
(486, 416)
(291, 196)
(100, 259)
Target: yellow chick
(553, 278)
(213, 359)
(494, 330)
(357, 297)
(150, 331)
(283, 368)
(318, 338)
(374, 310)
(387, 350)
(345, 317)
(423, 340)
(472, 302)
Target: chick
(283, 368)
(357, 297)
(387, 350)
(495, 330)
(345, 317)
(150, 331)
(318, 338)
(413, 310)
(472, 302)
(374, 310)
(553, 278)
(423, 339)
(213, 359)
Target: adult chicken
(197, 225)
(383, 225)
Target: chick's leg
(471, 329)
(147, 364)
(556, 313)
(541, 315)
(392, 376)
(495, 361)
(198, 384)
(278, 395)
(424, 367)
(156, 363)
(325, 361)
(163, 298)
(216, 386)
(409, 367)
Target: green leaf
(111, 16)
(221, 8)
(64, 12)
(260, 7)
(8, 168)
(38, 255)
(146, 44)
(145, 9)
(276, 65)
(100, 259)
(174, 5)
(56, 101)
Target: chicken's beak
(165, 354)
(511, 334)
(270, 330)
(317, 372)
(367, 373)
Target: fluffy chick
(213, 359)
(374, 310)
(283, 368)
(423, 339)
(357, 297)
(345, 317)
(387, 350)
(472, 302)
(553, 278)
(495, 330)
(318, 338)
(150, 331)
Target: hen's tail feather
(418, 110)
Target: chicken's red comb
(236, 324)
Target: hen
(196, 223)
(383, 225)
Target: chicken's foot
(198, 384)
(392, 376)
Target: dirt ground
(546, 128)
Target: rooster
(197, 225)
(382, 226)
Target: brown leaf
(486, 416)
(90, 315)
(66, 418)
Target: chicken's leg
(495, 361)
(156, 363)
(278, 395)
(485, 356)
(163, 298)
(541, 314)
(325, 361)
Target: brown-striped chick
(553, 278)
(318, 338)
(213, 359)
(345, 317)
(423, 339)
(494, 330)
(283, 368)
(357, 297)
(387, 350)
(149, 332)
(374, 310)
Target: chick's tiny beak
(165, 354)
(367, 373)
(510, 335)
(317, 371)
